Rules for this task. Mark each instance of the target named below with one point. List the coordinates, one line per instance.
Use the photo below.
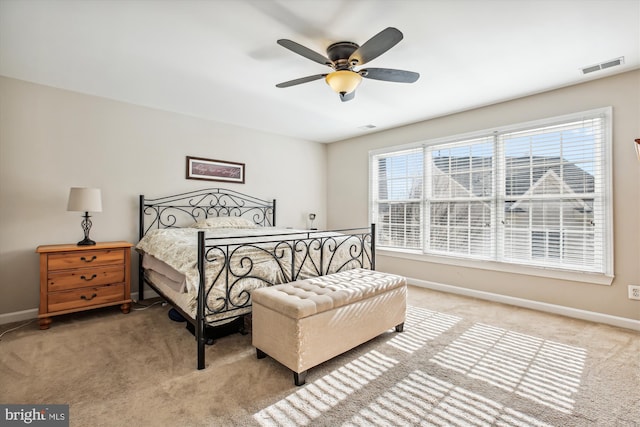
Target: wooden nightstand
(76, 278)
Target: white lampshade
(85, 200)
(343, 81)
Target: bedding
(224, 222)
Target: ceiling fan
(344, 56)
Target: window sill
(576, 276)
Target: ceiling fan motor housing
(339, 54)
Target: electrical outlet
(634, 292)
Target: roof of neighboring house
(522, 173)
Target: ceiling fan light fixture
(343, 81)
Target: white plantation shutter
(532, 194)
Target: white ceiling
(218, 59)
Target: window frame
(604, 278)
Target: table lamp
(85, 200)
(312, 217)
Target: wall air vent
(603, 66)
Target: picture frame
(215, 170)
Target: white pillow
(224, 222)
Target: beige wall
(53, 139)
(347, 189)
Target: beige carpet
(459, 362)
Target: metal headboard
(181, 210)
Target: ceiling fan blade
(347, 96)
(305, 51)
(376, 46)
(390, 75)
(301, 80)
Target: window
(533, 194)
(399, 191)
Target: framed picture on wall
(214, 170)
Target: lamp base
(86, 226)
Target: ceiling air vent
(603, 66)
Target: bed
(205, 251)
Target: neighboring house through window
(534, 194)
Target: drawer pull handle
(88, 260)
(89, 279)
(84, 297)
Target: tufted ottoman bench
(304, 323)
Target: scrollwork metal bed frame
(180, 210)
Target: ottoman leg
(400, 327)
(260, 354)
(299, 378)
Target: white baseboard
(21, 316)
(18, 316)
(592, 316)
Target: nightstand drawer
(85, 277)
(78, 259)
(85, 297)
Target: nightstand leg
(45, 322)
(125, 307)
